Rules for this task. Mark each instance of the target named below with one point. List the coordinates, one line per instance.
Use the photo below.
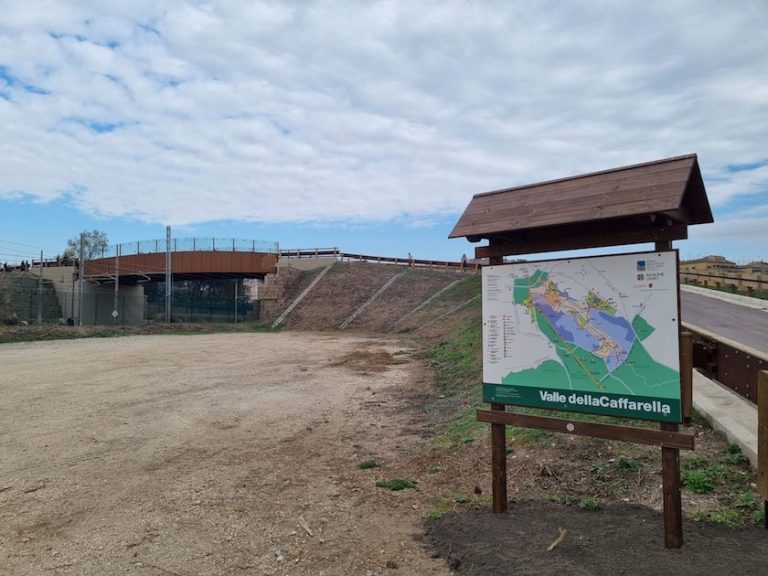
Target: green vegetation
(436, 514)
(46, 332)
(397, 484)
(590, 505)
(725, 516)
(568, 500)
(699, 480)
(460, 498)
(392, 564)
(601, 472)
(628, 465)
(734, 455)
(367, 464)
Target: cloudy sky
(365, 125)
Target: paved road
(745, 325)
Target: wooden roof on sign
(646, 202)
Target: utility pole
(40, 292)
(168, 275)
(116, 300)
(236, 282)
(81, 271)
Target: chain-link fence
(25, 297)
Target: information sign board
(597, 335)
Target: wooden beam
(586, 239)
(686, 376)
(670, 487)
(499, 450)
(762, 435)
(499, 463)
(678, 440)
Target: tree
(95, 243)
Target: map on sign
(595, 335)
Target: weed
(759, 517)
(460, 498)
(698, 480)
(367, 464)
(392, 564)
(397, 483)
(436, 514)
(601, 472)
(628, 464)
(569, 500)
(551, 498)
(734, 455)
(590, 505)
(724, 516)
(746, 500)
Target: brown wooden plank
(499, 464)
(499, 219)
(686, 375)
(675, 232)
(498, 449)
(678, 440)
(617, 174)
(762, 434)
(670, 487)
(578, 190)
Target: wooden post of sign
(670, 463)
(686, 376)
(762, 439)
(498, 446)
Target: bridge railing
(406, 261)
(731, 363)
(196, 244)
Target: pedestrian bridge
(190, 258)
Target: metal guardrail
(731, 363)
(408, 261)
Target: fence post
(762, 440)
(40, 292)
(686, 376)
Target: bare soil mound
(619, 539)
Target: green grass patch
(628, 464)
(436, 514)
(367, 464)
(734, 455)
(460, 497)
(590, 505)
(698, 480)
(724, 516)
(397, 484)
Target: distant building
(719, 272)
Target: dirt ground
(620, 539)
(238, 453)
(212, 454)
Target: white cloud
(323, 111)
